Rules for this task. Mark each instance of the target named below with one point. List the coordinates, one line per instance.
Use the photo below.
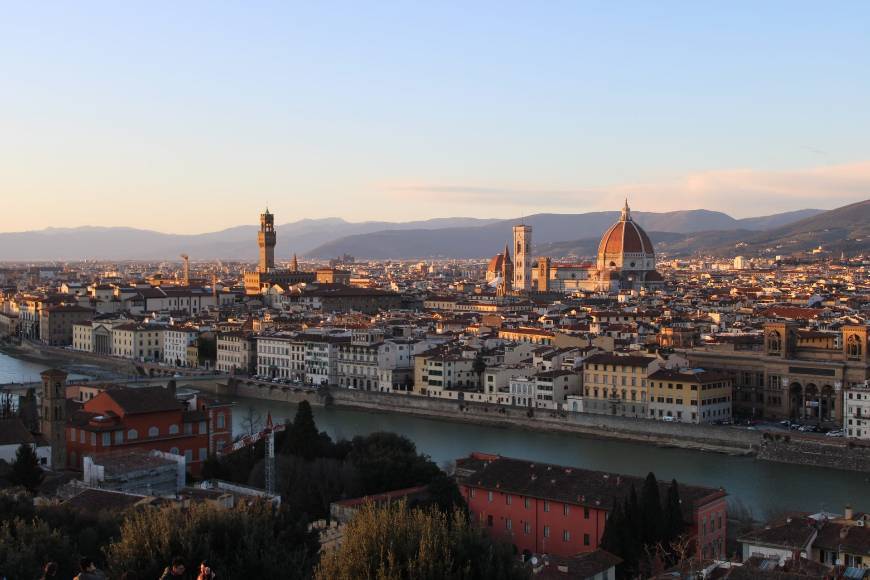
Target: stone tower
(506, 275)
(53, 415)
(266, 240)
(523, 258)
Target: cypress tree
(674, 523)
(303, 439)
(652, 515)
(25, 469)
(611, 538)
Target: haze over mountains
(557, 235)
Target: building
(153, 473)
(56, 323)
(53, 415)
(522, 258)
(176, 339)
(236, 353)
(856, 421)
(553, 509)
(280, 355)
(340, 298)
(14, 434)
(136, 341)
(444, 372)
(358, 360)
(321, 357)
(553, 387)
(689, 396)
(121, 419)
(792, 373)
(626, 261)
(332, 276)
(617, 385)
(530, 335)
(266, 273)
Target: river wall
(818, 453)
(703, 437)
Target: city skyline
(116, 116)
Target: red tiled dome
(625, 237)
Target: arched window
(153, 431)
(853, 347)
(132, 434)
(173, 429)
(774, 341)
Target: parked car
(837, 433)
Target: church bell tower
(53, 415)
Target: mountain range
(674, 233)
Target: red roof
(625, 237)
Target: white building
(236, 352)
(176, 339)
(321, 357)
(281, 355)
(856, 419)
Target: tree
(302, 438)
(675, 525)
(26, 545)
(25, 469)
(253, 540)
(396, 543)
(387, 461)
(652, 518)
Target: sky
(191, 116)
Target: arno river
(761, 486)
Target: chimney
(849, 514)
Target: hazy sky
(189, 117)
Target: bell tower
(53, 415)
(266, 241)
(522, 258)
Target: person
(49, 571)
(89, 571)
(205, 571)
(175, 570)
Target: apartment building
(857, 417)
(176, 339)
(617, 385)
(280, 355)
(689, 396)
(236, 352)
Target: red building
(553, 509)
(123, 418)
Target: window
(107, 439)
(527, 528)
(546, 505)
(566, 509)
(203, 428)
(566, 536)
(93, 439)
(546, 531)
(221, 421)
(153, 431)
(527, 503)
(203, 453)
(188, 428)
(585, 513)
(508, 524)
(508, 499)
(173, 429)
(119, 437)
(82, 436)
(188, 455)
(585, 539)
(472, 492)
(489, 496)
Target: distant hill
(482, 241)
(329, 237)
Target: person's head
(87, 565)
(178, 565)
(205, 567)
(50, 569)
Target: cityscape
(482, 364)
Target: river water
(763, 487)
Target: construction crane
(269, 434)
(186, 274)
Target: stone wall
(830, 454)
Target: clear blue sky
(190, 116)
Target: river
(763, 487)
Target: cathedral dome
(626, 246)
(497, 264)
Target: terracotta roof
(143, 400)
(625, 237)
